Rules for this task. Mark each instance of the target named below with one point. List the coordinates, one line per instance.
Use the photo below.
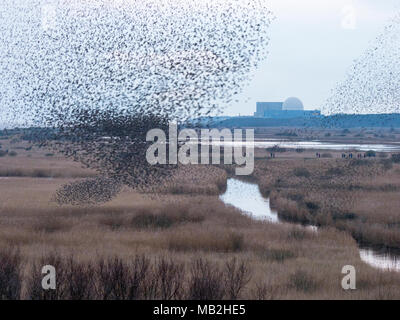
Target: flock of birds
(372, 84)
(102, 73)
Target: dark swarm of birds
(102, 73)
(372, 84)
(89, 191)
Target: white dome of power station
(291, 108)
(292, 103)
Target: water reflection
(318, 145)
(380, 261)
(247, 197)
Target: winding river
(247, 197)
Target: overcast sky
(313, 44)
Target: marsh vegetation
(205, 249)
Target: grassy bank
(356, 196)
(191, 245)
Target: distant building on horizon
(290, 108)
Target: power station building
(291, 108)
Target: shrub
(113, 222)
(236, 241)
(296, 197)
(10, 275)
(343, 216)
(49, 154)
(237, 276)
(335, 171)
(80, 280)
(113, 277)
(206, 241)
(170, 279)
(312, 205)
(11, 172)
(51, 225)
(265, 291)
(359, 162)
(168, 217)
(301, 172)
(297, 234)
(206, 281)
(387, 164)
(277, 255)
(41, 173)
(12, 154)
(3, 153)
(302, 281)
(118, 280)
(149, 220)
(396, 158)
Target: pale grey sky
(313, 44)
